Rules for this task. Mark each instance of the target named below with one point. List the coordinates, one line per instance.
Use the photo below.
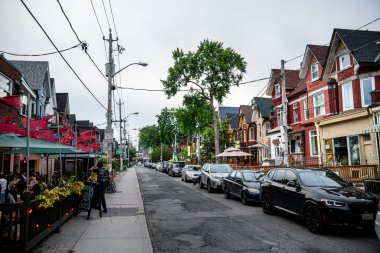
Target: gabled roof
(302, 87)
(34, 72)
(62, 101)
(223, 110)
(264, 105)
(233, 118)
(247, 112)
(319, 52)
(291, 79)
(363, 45)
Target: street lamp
(110, 67)
(121, 139)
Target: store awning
(17, 142)
(372, 129)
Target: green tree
(149, 137)
(211, 70)
(166, 153)
(167, 126)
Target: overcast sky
(263, 32)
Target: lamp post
(121, 139)
(110, 73)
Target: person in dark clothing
(102, 181)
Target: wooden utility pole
(284, 126)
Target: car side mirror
(291, 184)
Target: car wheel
(209, 188)
(313, 219)
(266, 204)
(244, 200)
(227, 193)
(186, 179)
(182, 179)
(201, 184)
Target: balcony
(375, 98)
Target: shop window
(354, 150)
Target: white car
(190, 173)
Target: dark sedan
(319, 197)
(244, 184)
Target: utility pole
(110, 69)
(121, 139)
(284, 127)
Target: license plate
(367, 216)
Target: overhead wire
(100, 27)
(113, 19)
(64, 59)
(43, 54)
(105, 11)
(84, 44)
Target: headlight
(330, 202)
(215, 177)
(253, 190)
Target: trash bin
(372, 185)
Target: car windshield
(178, 165)
(253, 176)
(220, 169)
(321, 179)
(193, 168)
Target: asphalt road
(182, 217)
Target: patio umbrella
(233, 152)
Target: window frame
(259, 130)
(295, 113)
(9, 83)
(344, 108)
(251, 133)
(267, 128)
(311, 136)
(341, 61)
(277, 88)
(312, 72)
(306, 108)
(320, 107)
(362, 92)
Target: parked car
(175, 168)
(244, 184)
(190, 173)
(377, 222)
(211, 175)
(319, 197)
(158, 166)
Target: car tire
(313, 219)
(201, 184)
(186, 179)
(182, 179)
(209, 188)
(226, 193)
(243, 198)
(266, 204)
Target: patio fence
(23, 225)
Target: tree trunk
(216, 129)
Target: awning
(233, 152)
(372, 129)
(17, 142)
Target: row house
(259, 132)
(247, 134)
(353, 67)
(230, 117)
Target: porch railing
(23, 225)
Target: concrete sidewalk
(122, 229)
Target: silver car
(211, 175)
(377, 221)
(190, 173)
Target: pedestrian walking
(102, 181)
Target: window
(292, 146)
(347, 96)
(295, 112)
(5, 86)
(366, 86)
(24, 102)
(259, 129)
(344, 61)
(366, 137)
(290, 176)
(279, 117)
(306, 109)
(313, 143)
(277, 150)
(314, 72)
(267, 128)
(251, 133)
(238, 175)
(279, 177)
(277, 90)
(319, 104)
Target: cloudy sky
(263, 32)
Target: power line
(61, 54)
(43, 54)
(105, 11)
(100, 27)
(113, 19)
(84, 44)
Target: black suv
(319, 197)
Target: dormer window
(344, 61)
(277, 90)
(314, 72)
